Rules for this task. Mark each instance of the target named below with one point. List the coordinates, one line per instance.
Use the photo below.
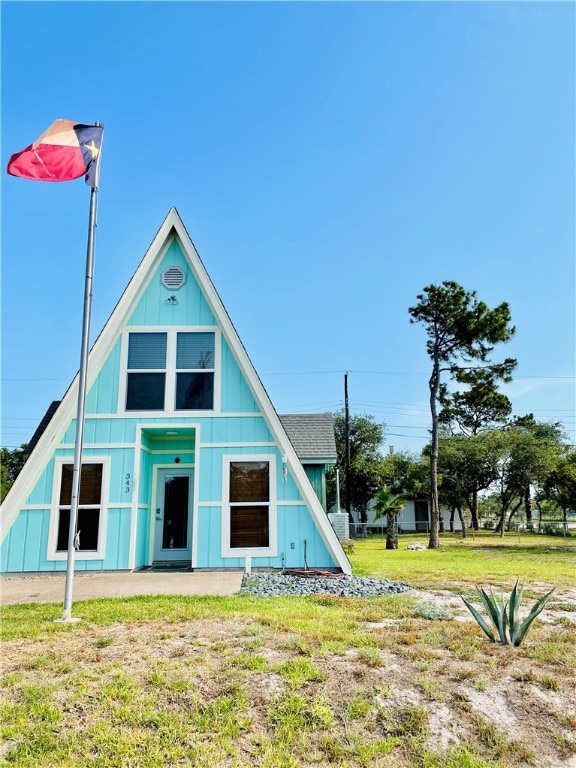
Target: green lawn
(328, 682)
(485, 559)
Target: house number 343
(127, 482)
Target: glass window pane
(147, 350)
(145, 392)
(87, 525)
(90, 484)
(195, 350)
(249, 481)
(249, 527)
(194, 391)
(175, 531)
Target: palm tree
(389, 504)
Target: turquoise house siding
(236, 394)
(209, 539)
(134, 446)
(316, 475)
(142, 536)
(192, 308)
(102, 396)
(296, 526)
(42, 492)
(23, 548)
(117, 541)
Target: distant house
(185, 460)
(414, 518)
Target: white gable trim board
(137, 444)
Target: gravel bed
(283, 585)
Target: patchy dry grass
(402, 682)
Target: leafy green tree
(531, 451)
(560, 485)
(366, 439)
(462, 332)
(473, 410)
(467, 465)
(406, 473)
(11, 462)
(389, 505)
(454, 477)
(479, 407)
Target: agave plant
(505, 615)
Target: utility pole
(347, 457)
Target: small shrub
(104, 641)
(551, 683)
(432, 612)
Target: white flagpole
(81, 408)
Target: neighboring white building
(413, 518)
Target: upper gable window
(146, 385)
(170, 371)
(194, 371)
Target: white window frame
(272, 549)
(170, 371)
(100, 552)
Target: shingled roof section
(311, 434)
(52, 408)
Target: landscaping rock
(283, 585)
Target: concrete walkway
(87, 586)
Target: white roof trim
(67, 411)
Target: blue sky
(329, 160)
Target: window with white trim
(194, 371)
(89, 520)
(249, 508)
(170, 371)
(249, 497)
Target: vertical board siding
(102, 396)
(209, 544)
(103, 431)
(42, 492)
(25, 547)
(13, 546)
(295, 525)
(245, 429)
(192, 308)
(117, 540)
(142, 536)
(37, 525)
(143, 481)
(236, 394)
(315, 473)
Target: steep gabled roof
(172, 227)
(312, 435)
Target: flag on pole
(65, 151)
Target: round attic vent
(173, 278)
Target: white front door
(173, 525)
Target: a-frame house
(185, 460)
